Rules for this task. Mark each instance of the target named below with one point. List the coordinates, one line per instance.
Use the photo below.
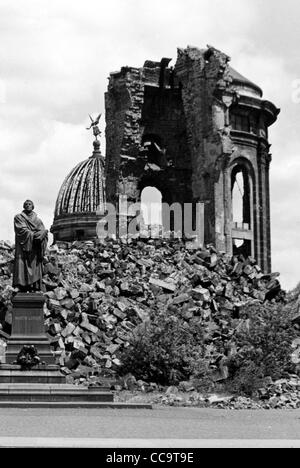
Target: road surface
(107, 427)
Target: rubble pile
(281, 394)
(6, 290)
(97, 294)
(6, 262)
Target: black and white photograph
(149, 243)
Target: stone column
(227, 204)
(264, 207)
(268, 217)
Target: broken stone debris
(97, 294)
(280, 394)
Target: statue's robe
(29, 251)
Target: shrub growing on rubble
(165, 350)
(264, 348)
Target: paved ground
(161, 424)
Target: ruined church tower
(198, 132)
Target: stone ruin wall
(203, 74)
(187, 117)
(123, 102)
(186, 109)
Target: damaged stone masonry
(198, 132)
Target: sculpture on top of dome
(94, 125)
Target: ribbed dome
(83, 190)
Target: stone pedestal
(42, 385)
(28, 327)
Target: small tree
(264, 348)
(164, 350)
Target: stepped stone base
(32, 395)
(40, 374)
(52, 392)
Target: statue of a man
(31, 242)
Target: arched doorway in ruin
(151, 210)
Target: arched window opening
(241, 198)
(242, 207)
(151, 211)
(237, 199)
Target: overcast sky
(56, 55)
